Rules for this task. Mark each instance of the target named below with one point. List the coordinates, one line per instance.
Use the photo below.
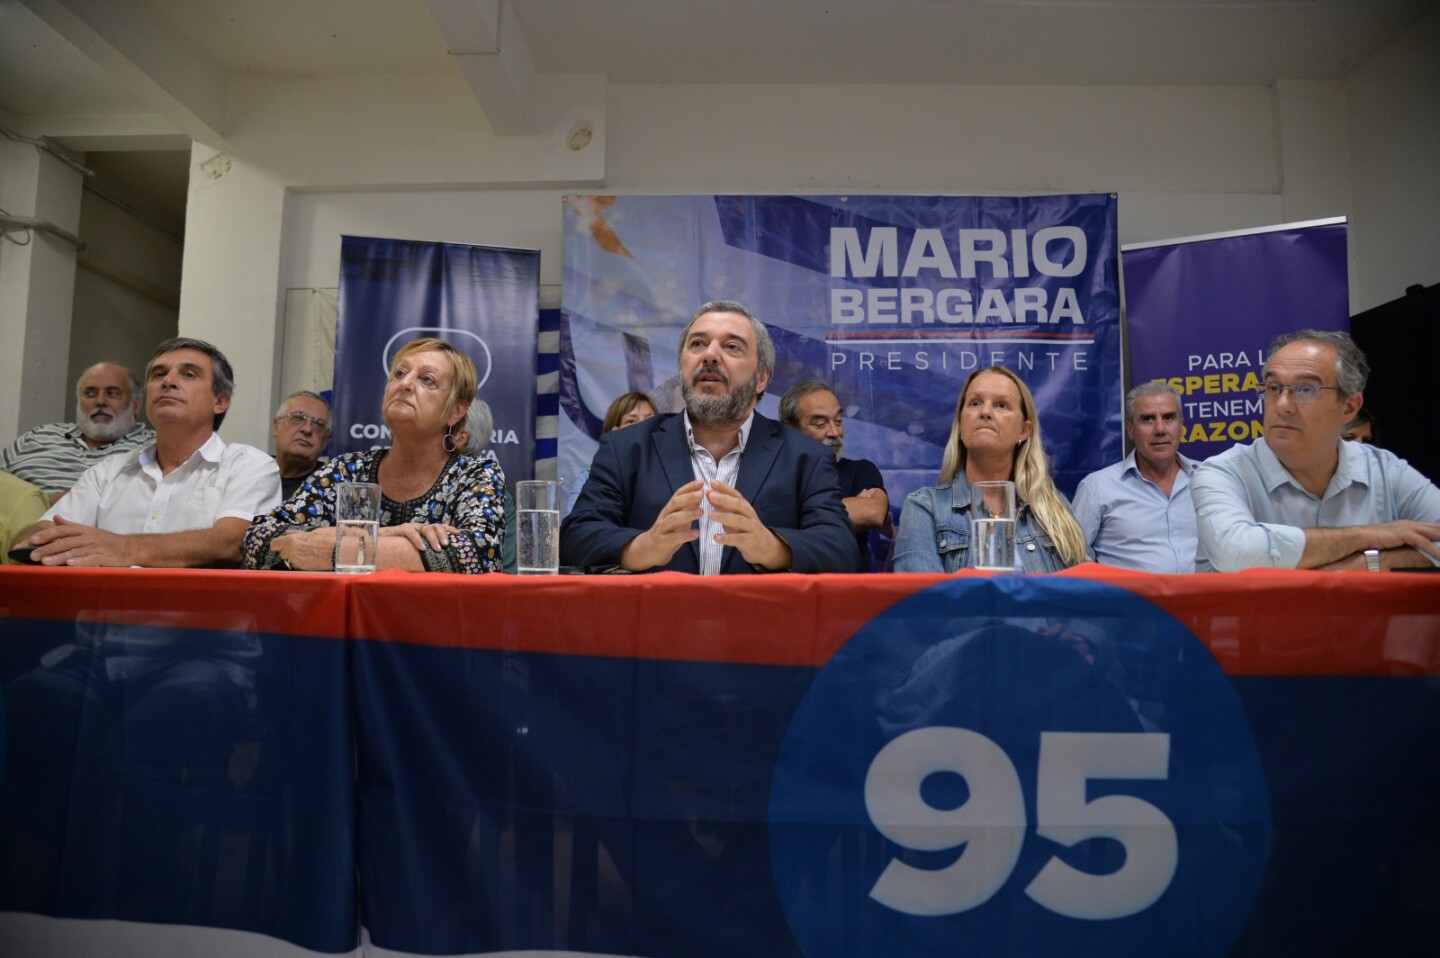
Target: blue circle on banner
(1019, 766)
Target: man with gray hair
(1301, 497)
(813, 409)
(474, 436)
(184, 500)
(301, 429)
(107, 406)
(717, 488)
(1137, 514)
(471, 440)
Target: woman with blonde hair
(995, 436)
(440, 509)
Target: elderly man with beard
(54, 456)
(813, 409)
(717, 488)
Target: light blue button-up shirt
(1129, 522)
(1250, 511)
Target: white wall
(314, 223)
(37, 283)
(308, 161)
(413, 153)
(127, 288)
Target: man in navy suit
(718, 488)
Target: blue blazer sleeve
(610, 511)
(818, 530)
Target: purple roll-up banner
(1201, 310)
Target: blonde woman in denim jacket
(995, 435)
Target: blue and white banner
(1199, 313)
(483, 300)
(893, 300)
(1091, 764)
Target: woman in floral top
(440, 511)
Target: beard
(837, 445)
(99, 430)
(727, 410)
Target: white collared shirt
(727, 470)
(127, 494)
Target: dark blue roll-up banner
(894, 300)
(1199, 313)
(482, 299)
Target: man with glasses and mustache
(717, 488)
(301, 429)
(812, 408)
(1301, 497)
(54, 455)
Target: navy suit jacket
(788, 478)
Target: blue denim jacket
(934, 533)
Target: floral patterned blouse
(469, 495)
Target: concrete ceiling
(150, 74)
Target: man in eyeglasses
(1300, 497)
(301, 429)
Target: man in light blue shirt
(1301, 497)
(1137, 514)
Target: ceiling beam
(488, 44)
(148, 56)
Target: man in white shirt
(1301, 497)
(1137, 514)
(183, 501)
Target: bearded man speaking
(717, 488)
(54, 455)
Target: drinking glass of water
(357, 526)
(537, 516)
(992, 526)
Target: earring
(449, 442)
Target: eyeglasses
(1300, 392)
(298, 419)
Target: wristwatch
(1372, 560)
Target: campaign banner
(1096, 763)
(1200, 312)
(892, 300)
(1020, 766)
(177, 772)
(483, 300)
